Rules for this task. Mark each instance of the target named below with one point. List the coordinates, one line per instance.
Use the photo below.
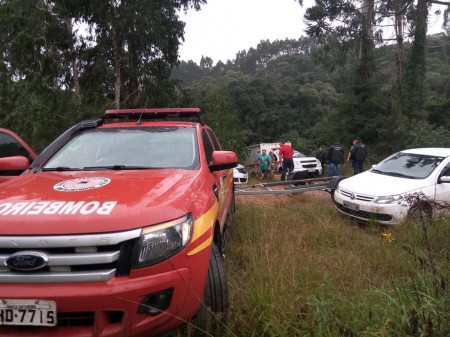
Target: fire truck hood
(95, 202)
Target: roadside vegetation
(297, 267)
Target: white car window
(298, 155)
(408, 165)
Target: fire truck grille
(76, 319)
(66, 258)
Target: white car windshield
(408, 165)
(298, 155)
(128, 148)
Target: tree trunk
(116, 58)
(133, 99)
(116, 69)
(399, 33)
(76, 78)
(367, 44)
(415, 72)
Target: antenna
(139, 121)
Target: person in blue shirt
(264, 161)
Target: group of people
(335, 157)
(264, 161)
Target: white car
(240, 174)
(385, 193)
(309, 164)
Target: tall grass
(299, 268)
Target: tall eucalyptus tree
(345, 34)
(50, 73)
(134, 43)
(337, 25)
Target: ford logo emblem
(27, 261)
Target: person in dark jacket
(322, 158)
(358, 154)
(335, 157)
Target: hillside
(280, 89)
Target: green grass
(299, 268)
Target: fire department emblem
(81, 184)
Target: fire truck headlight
(158, 243)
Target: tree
(352, 41)
(220, 113)
(206, 63)
(415, 71)
(136, 45)
(33, 70)
(48, 67)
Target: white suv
(303, 163)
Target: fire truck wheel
(211, 317)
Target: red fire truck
(117, 229)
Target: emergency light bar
(153, 113)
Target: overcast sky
(222, 28)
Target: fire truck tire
(211, 317)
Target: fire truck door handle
(216, 191)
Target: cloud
(222, 28)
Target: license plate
(351, 205)
(28, 312)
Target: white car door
(443, 187)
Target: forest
(64, 61)
(278, 91)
